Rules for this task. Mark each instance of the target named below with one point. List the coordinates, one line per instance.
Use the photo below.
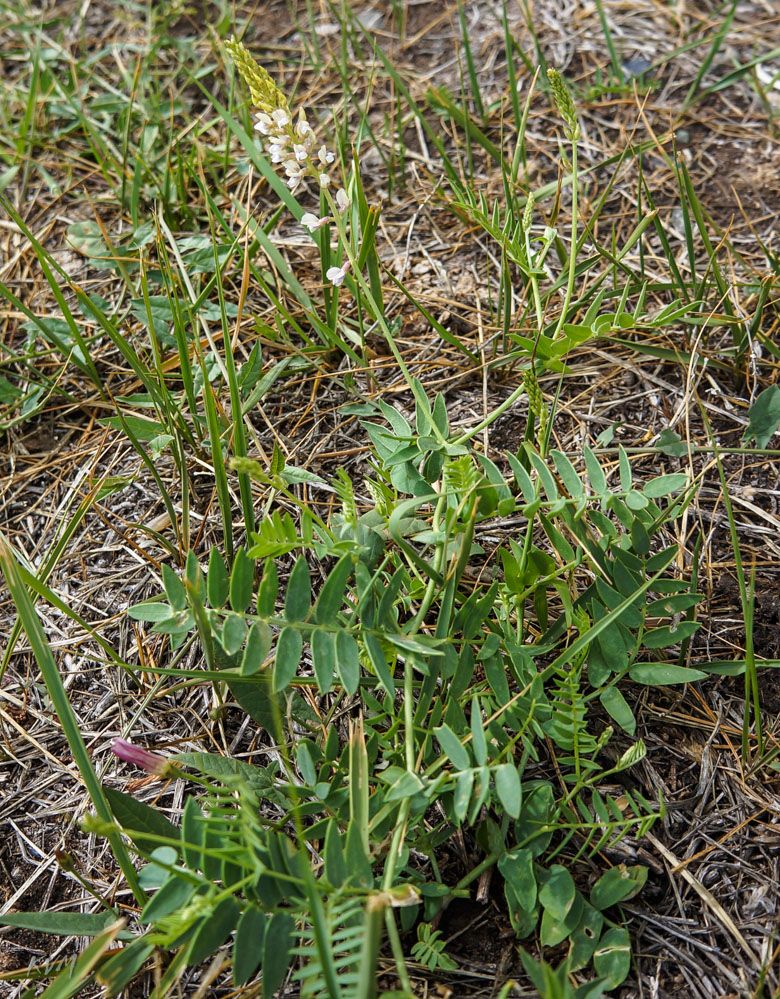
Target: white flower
(325, 156)
(312, 223)
(280, 117)
(292, 168)
(277, 151)
(336, 275)
(303, 128)
(342, 200)
(324, 180)
(301, 153)
(263, 123)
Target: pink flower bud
(153, 763)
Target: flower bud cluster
(535, 397)
(565, 104)
(265, 94)
(528, 214)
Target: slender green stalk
(59, 698)
(747, 600)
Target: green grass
(426, 652)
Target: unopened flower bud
(265, 94)
(565, 103)
(153, 763)
(528, 214)
(535, 397)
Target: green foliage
(764, 417)
(446, 698)
(429, 949)
(399, 569)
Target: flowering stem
(363, 285)
(573, 250)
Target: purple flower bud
(153, 763)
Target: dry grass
(705, 924)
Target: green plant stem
(430, 589)
(573, 250)
(398, 951)
(59, 698)
(747, 602)
(378, 313)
